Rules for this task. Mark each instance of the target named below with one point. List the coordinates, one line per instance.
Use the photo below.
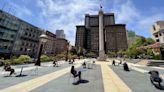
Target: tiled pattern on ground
(64, 83)
(138, 82)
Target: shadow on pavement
(80, 82)
(159, 87)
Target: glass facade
(18, 36)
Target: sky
(138, 15)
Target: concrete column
(101, 37)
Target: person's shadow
(158, 86)
(80, 82)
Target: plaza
(102, 77)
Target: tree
(111, 54)
(44, 58)
(149, 41)
(91, 54)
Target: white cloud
(135, 19)
(66, 14)
(125, 12)
(19, 10)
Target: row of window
(160, 34)
(26, 49)
(28, 44)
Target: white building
(60, 34)
(157, 31)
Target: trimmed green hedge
(45, 58)
(20, 60)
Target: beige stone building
(157, 31)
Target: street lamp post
(43, 39)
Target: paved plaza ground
(101, 77)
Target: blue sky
(138, 15)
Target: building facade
(60, 34)
(157, 31)
(17, 36)
(61, 45)
(49, 48)
(87, 36)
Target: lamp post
(43, 39)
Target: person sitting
(120, 62)
(75, 73)
(113, 63)
(93, 62)
(125, 65)
(54, 63)
(7, 67)
(154, 77)
(84, 64)
(73, 60)
(70, 62)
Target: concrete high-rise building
(157, 31)
(61, 45)
(17, 36)
(100, 34)
(60, 34)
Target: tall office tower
(100, 34)
(60, 34)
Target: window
(160, 34)
(156, 36)
(26, 44)
(154, 28)
(157, 40)
(12, 36)
(26, 33)
(22, 43)
(25, 49)
(21, 49)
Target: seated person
(125, 65)
(70, 62)
(113, 63)
(84, 64)
(73, 60)
(120, 62)
(74, 73)
(154, 77)
(54, 62)
(7, 67)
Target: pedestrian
(125, 66)
(113, 63)
(54, 63)
(7, 67)
(154, 77)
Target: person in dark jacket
(75, 73)
(54, 63)
(125, 66)
(113, 63)
(154, 77)
(7, 67)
